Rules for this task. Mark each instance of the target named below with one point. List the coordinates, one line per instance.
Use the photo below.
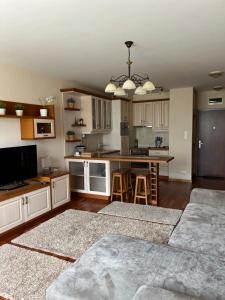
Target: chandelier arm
(119, 79)
(139, 77)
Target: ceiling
(176, 41)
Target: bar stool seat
(120, 183)
(142, 187)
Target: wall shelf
(73, 141)
(30, 110)
(71, 109)
(77, 125)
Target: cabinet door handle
(53, 184)
(26, 200)
(22, 200)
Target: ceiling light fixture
(120, 84)
(216, 74)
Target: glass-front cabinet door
(77, 175)
(107, 111)
(89, 176)
(98, 174)
(97, 114)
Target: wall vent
(214, 101)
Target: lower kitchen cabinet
(89, 176)
(60, 188)
(18, 210)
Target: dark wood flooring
(172, 195)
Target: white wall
(203, 96)
(20, 85)
(181, 119)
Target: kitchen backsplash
(91, 141)
(146, 137)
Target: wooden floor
(172, 195)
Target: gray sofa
(123, 268)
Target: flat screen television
(16, 165)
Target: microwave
(44, 128)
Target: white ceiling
(176, 41)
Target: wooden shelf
(72, 109)
(73, 141)
(77, 125)
(30, 110)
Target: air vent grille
(214, 101)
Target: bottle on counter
(136, 143)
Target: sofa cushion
(116, 266)
(215, 198)
(204, 213)
(199, 237)
(152, 293)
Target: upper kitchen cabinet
(143, 114)
(160, 116)
(97, 113)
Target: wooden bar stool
(119, 184)
(142, 187)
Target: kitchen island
(96, 171)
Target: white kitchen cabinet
(97, 114)
(18, 210)
(137, 114)
(60, 189)
(161, 116)
(107, 114)
(143, 114)
(148, 114)
(89, 176)
(11, 213)
(37, 203)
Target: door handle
(200, 143)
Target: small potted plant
(70, 103)
(44, 102)
(19, 109)
(2, 108)
(70, 135)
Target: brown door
(211, 143)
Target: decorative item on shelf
(158, 141)
(120, 84)
(70, 135)
(19, 108)
(70, 103)
(2, 108)
(81, 122)
(45, 101)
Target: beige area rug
(74, 231)
(143, 212)
(25, 274)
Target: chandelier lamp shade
(119, 85)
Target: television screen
(17, 164)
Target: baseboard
(91, 196)
(180, 180)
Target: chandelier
(119, 85)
